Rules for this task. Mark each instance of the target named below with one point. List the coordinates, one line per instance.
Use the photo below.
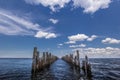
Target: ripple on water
(60, 70)
(20, 69)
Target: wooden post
(40, 63)
(34, 60)
(78, 60)
(87, 68)
(37, 61)
(44, 59)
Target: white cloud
(54, 21)
(80, 37)
(107, 52)
(111, 41)
(11, 24)
(92, 38)
(60, 44)
(47, 35)
(76, 46)
(91, 6)
(14, 25)
(70, 42)
(54, 5)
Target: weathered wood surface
(75, 62)
(46, 59)
(86, 67)
(39, 63)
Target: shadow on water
(59, 70)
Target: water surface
(20, 69)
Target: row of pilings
(45, 59)
(40, 63)
(74, 60)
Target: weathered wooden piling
(35, 60)
(75, 62)
(44, 60)
(86, 67)
(40, 63)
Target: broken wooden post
(39, 63)
(75, 62)
(34, 60)
(78, 60)
(86, 67)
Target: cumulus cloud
(108, 52)
(80, 37)
(91, 6)
(76, 46)
(111, 41)
(47, 35)
(92, 38)
(11, 24)
(54, 21)
(54, 5)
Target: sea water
(20, 69)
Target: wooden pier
(43, 61)
(40, 63)
(75, 62)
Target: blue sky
(61, 27)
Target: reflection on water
(59, 70)
(20, 69)
(15, 69)
(105, 68)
